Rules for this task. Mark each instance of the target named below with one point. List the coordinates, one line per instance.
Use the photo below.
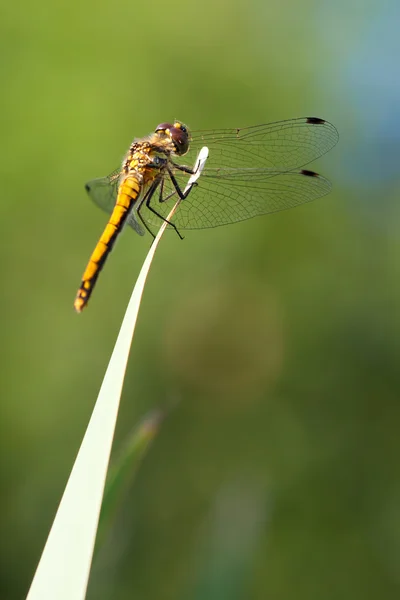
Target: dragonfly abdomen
(128, 193)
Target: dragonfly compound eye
(163, 127)
(180, 125)
(180, 139)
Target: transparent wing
(284, 145)
(236, 197)
(250, 171)
(104, 191)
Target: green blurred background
(275, 341)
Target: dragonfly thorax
(138, 158)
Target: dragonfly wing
(217, 201)
(133, 221)
(284, 145)
(104, 192)
(232, 195)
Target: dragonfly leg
(146, 226)
(160, 198)
(185, 169)
(182, 195)
(146, 199)
(149, 196)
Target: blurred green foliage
(276, 340)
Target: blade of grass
(64, 566)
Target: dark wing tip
(315, 121)
(308, 173)
(87, 187)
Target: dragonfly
(250, 171)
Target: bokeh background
(274, 343)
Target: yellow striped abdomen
(128, 193)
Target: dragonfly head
(178, 134)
